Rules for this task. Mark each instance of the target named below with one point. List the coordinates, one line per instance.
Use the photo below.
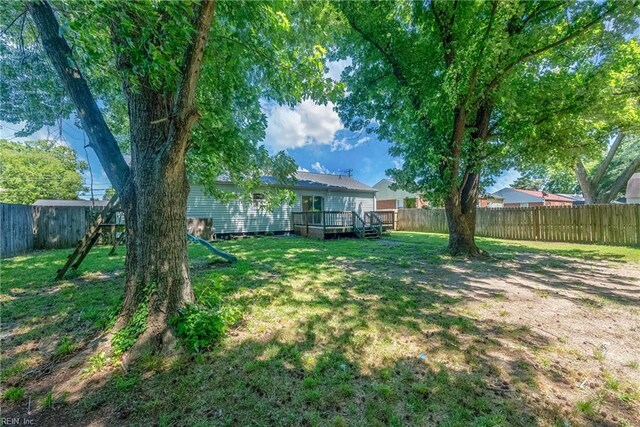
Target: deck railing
(375, 221)
(344, 219)
(325, 219)
(388, 218)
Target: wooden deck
(331, 224)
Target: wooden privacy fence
(605, 224)
(26, 227)
(16, 229)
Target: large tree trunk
(153, 190)
(462, 228)
(155, 209)
(460, 208)
(461, 203)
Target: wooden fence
(26, 227)
(58, 227)
(16, 229)
(605, 224)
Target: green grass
(13, 394)
(342, 332)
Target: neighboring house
(314, 193)
(490, 201)
(63, 203)
(386, 198)
(518, 198)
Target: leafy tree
(153, 70)
(38, 170)
(439, 79)
(109, 193)
(549, 179)
(603, 180)
(590, 127)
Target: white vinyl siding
(243, 216)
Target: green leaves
(38, 170)
(420, 69)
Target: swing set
(102, 222)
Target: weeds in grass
(200, 326)
(542, 292)
(126, 337)
(47, 400)
(632, 364)
(611, 382)
(599, 354)
(96, 363)
(13, 394)
(589, 407)
(65, 347)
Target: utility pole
(348, 172)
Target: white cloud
(317, 167)
(301, 169)
(336, 68)
(307, 123)
(397, 163)
(343, 145)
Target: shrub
(199, 327)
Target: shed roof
(79, 202)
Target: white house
(314, 193)
(518, 198)
(386, 198)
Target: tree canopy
(449, 84)
(257, 52)
(39, 170)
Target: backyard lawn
(341, 333)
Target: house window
(312, 203)
(258, 199)
(399, 203)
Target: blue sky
(312, 134)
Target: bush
(199, 328)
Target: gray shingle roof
(320, 181)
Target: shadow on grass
(342, 332)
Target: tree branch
(604, 164)
(474, 74)
(12, 22)
(184, 106)
(532, 53)
(585, 183)
(100, 137)
(396, 68)
(622, 180)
